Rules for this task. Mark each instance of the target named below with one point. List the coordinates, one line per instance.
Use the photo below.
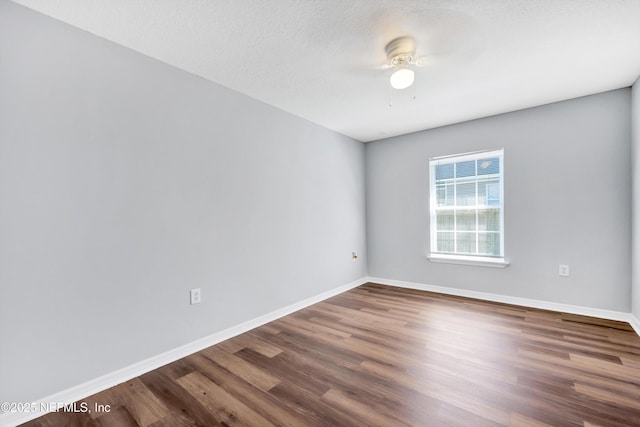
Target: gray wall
(567, 201)
(125, 182)
(635, 150)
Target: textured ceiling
(318, 58)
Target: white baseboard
(635, 323)
(526, 302)
(104, 382)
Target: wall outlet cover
(563, 270)
(195, 296)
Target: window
(467, 200)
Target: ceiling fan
(401, 56)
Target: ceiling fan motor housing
(400, 51)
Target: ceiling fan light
(402, 78)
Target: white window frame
(460, 258)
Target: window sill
(469, 260)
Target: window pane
(444, 195)
(445, 241)
(466, 169)
(441, 195)
(489, 191)
(466, 194)
(466, 220)
(489, 220)
(466, 243)
(444, 220)
(493, 194)
(489, 166)
(489, 244)
(450, 201)
(444, 171)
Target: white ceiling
(317, 58)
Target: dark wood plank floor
(385, 356)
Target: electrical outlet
(563, 270)
(196, 296)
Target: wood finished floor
(385, 356)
